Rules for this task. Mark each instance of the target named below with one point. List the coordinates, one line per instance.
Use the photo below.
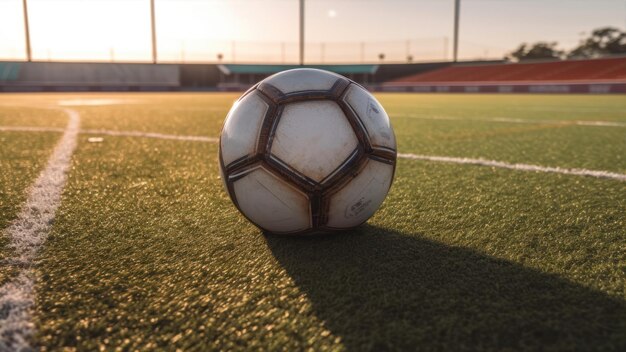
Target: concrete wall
(87, 76)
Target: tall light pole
(457, 8)
(301, 32)
(153, 24)
(29, 55)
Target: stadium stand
(9, 71)
(199, 77)
(240, 77)
(66, 76)
(606, 75)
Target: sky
(267, 30)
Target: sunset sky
(267, 30)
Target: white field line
(113, 133)
(600, 123)
(94, 102)
(152, 135)
(480, 161)
(515, 120)
(30, 129)
(26, 234)
(517, 167)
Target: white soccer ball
(307, 151)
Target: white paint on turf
(516, 120)
(30, 129)
(113, 133)
(517, 167)
(27, 233)
(93, 102)
(152, 135)
(457, 160)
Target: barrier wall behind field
(90, 76)
(66, 76)
(536, 87)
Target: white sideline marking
(27, 233)
(482, 162)
(30, 129)
(515, 120)
(93, 102)
(152, 135)
(600, 123)
(517, 167)
(113, 133)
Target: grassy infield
(147, 250)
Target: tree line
(601, 42)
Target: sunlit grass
(147, 251)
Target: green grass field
(148, 253)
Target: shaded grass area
(474, 259)
(385, 290)
(559, 224)
(22, 156)
(148, 253)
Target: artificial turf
(147, 251)
(173, 113)
(22, 156)
(11, 115)
(421, 127)
(418, 124)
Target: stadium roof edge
(270, 69)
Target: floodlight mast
(301, 32)
(153, 25)
(29, 55)
(457, 7)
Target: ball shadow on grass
(383, 290)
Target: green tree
(539, 50)
(603, 41)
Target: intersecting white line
(447, 159)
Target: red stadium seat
(556, 71)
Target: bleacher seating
(606, 70)
(71, 74)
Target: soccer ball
(307, 151)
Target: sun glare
(116, 30)
(102, 30)
(90, 30)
